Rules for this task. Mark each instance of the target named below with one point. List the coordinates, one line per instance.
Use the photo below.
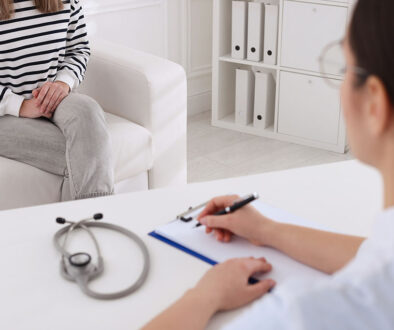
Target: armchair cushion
(149, 91)
(131, 146)
(25, 185)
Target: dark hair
(371, 38)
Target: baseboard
(199, 103)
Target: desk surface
(345, 196)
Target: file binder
(271, 33)
(244, 97)
(264, 100)
(255, 31)
(239, 32)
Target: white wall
(180, 30)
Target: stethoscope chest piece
(80, 268)
(80, 259)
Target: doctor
(360, 293)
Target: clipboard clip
(185, 216)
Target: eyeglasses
(333, 64)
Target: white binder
(239, 25)
(244, 97)
(264, 100)
(255, 31)
(271, 33)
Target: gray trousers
(74, 144)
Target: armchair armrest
(149, 91)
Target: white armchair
(145, 100)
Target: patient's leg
(36, 142)
(88, 146)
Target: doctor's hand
(246, 222)
(226, 287)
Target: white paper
(187, 235)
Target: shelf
(229, 119)
(311, 73)
(228, 58)
(229, 123)
(225, 67)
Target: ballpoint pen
(237, 205)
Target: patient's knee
(86, 109)
(81, 117)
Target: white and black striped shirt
(37, 47)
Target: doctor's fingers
(253, 266)
(260, 288)
(226, 221)
(216, 204)
(222, 235)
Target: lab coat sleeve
(359, 302)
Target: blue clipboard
(191, 252)
(182, 248)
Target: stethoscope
(78, 267)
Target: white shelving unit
(307, 110)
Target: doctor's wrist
(269, 232)
(208, 301)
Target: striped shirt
(37, 47)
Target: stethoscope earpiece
(98, 216)
(61, 221)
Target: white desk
(345, 196)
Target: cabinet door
(341, 1)
(308, 108)
(307, 29)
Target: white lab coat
(359, 297)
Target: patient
(359, 294)
(44, 53)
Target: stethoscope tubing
(83, 282)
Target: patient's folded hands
(29, 109)
(48, 96)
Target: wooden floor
(216, 153)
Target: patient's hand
(29, 109)
(246, 222)
(49, 96)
